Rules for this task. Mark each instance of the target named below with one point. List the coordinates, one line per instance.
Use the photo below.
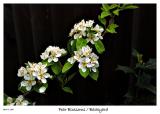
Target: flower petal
(44, 80)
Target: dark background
(30, 28)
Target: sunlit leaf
(112, 28)
(99, 46)
(56, 67)
(80, 43)
(66, 67)
(94, 75)
(84, 74)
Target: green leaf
(94, 75)
(84, 74)
(105, 14)
(5, 99)
(99, 46)
(39, 85)
(111, 28)
(80, 43)
(102, 20)
(56, 68)
(116, 12)
(125, 69)
(67, 89)
(106, 7)
(113, 6)
(22, 89)
(130, 6)
(66, 67)
(71, 48)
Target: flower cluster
(86, 58)
(32, 72)
(52, 53)
(86, 30)
(20, 101)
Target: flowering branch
(83, 36)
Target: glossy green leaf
(66, 67)
(39, 85)
(105, 14)
(106, 7)
(99, 46)
(5, 99)
(94, 75)
(67, 89)
(116, 12)
(71, 46)
(102, 20)
(56, 68)
(129, 6)
(113, 6)
(84, 74)
(80, 43)
(22, 89)
(111, 28)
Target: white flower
(79, 30)
(98, 29)
(21, 101)
(94, 69)
(28, 82)
(41, 72)
(77, 55)
(71, 60)
(30, 68)
(86, 50)
(83, 64)
(72, 42)
(44, 55)
(89, 23)
(21, 72)
(42, 89)
(10, 101)
(52, 53)
(86, 58)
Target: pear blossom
(79, 30)
(52, 53)
(42, 89)
(10, 101)
(21, 101)
(98, 29)
(41, 72)
(71, 60)
(28, 82)
(86, 59)
(22, 72)
(86, 29)
(77, 55)
(89, 23)
(84, 63)
(86, 50)
(34, 72)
